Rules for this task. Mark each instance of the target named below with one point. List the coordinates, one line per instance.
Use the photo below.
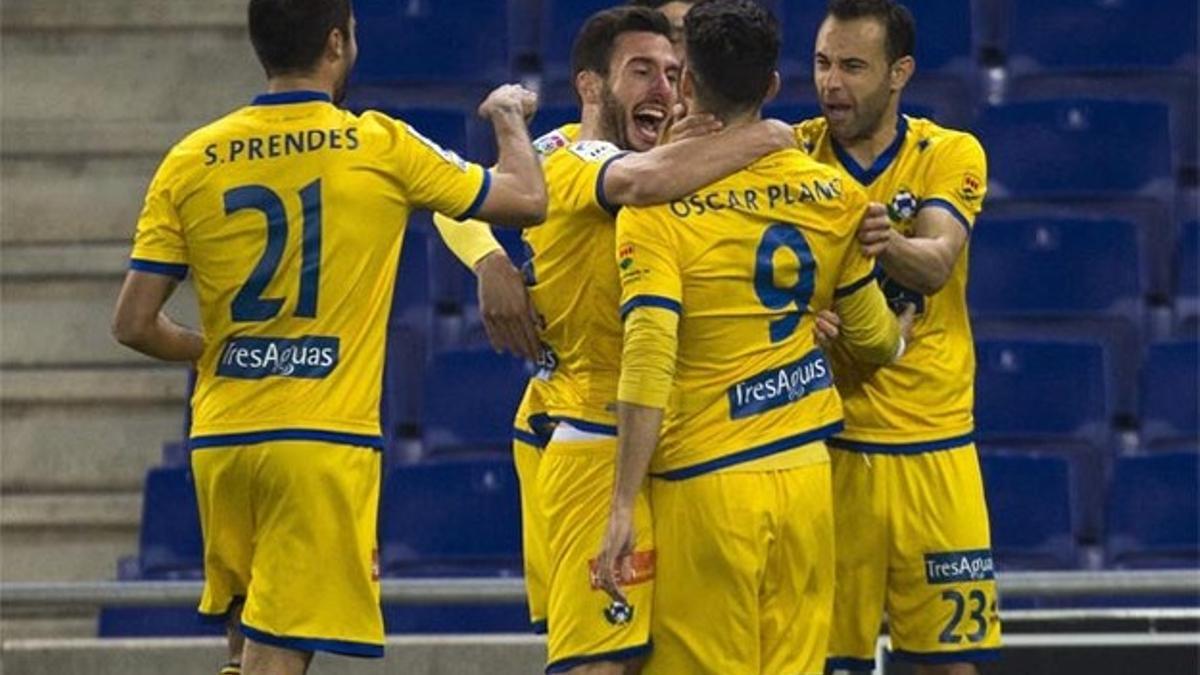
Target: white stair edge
(121, 14)
(92, 385)
(66, 260)
(68, 510)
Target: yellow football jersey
(572, 279)
(747, 261)
(924, 401)
(289, 214)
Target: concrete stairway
(94, 93)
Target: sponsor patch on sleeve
(450, 156)
(594, 151)
(972, 187)
(546, 145)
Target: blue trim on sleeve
(772, 448)
(528, 438)
(479, 198)
(298, 96)
(936, 658)
(343, 647)
(943, 204)
(847, 663)
(539, 627)
(564, 665)
(902, 448)
(868, 175)
(601, 198)
(251, 438)
(167, 269)
(589, 427)
(854, 287)
(659, 301)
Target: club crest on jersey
(594, 151)
(972, 187)
(625, 256)
(618, 613)
(903, 206)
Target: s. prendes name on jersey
(255, 358)
(780, 386)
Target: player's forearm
(162, 339)
(677, 169)
(638, 428)
(922, 264)
(518, 191)
(470, 240)
(869, 330)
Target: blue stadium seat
(1030, 508)
(470, 399)
(1169, 402)
(1063, 278)
(561, 21)
(1070, 148)
(1122, 49)
(451, 517)
(424, 42)
(1186, 289)
(1152, 515)
(1042, 389)
(170, 544)
(551, 117)
(410, 324)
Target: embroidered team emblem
(903, 206)
(625, 256)
(972, 187)
(618, 613)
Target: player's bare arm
(678, 168)
(140, 324)
(517, 195)
(638, 437)
(922, 262)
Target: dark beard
(612, 119)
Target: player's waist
(247, 433)
(688, 455)
(883, 444)
(539, 429)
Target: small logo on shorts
(636, 569)
(959, 566)
(618, 613)
(374, 564)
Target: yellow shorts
(527, 453)
(575, 491)
(290, 527)
(912, 539)
(745, 572)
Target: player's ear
(589, 85)
(773, 87)
(902, 71)
(687, 85)
(335, 45)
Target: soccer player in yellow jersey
(719, 293)
(911, 520)
(625, 74)
(289, 214)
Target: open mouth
(836, 112)
(648, 121)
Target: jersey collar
(882, 162)
(297, 96)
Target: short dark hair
(897, 20)
(290, 35)
(593, 46)
(732, 51)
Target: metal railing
(449, 591)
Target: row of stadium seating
(967, 52)
(469, 526)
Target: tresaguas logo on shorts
(255, 358)
(954, 567)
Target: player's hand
(907, 317)
(827, 328)
(681, 126)
(616, 553)
(875, 231)
(781, 134)
(505, 307)
(509, 99)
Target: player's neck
(866, 149)
(282, 83)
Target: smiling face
(854, 80)
(639, 92)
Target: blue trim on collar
(902, 448)
(775, 447)
(947, 206)
(343, 647)
(285, 97)
(867, 176)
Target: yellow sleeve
(159, 245)
(870, 332)
(469, 240)
(857, 269)
(435, 178)
(651, 302)
(957, 178)
(587, 161)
